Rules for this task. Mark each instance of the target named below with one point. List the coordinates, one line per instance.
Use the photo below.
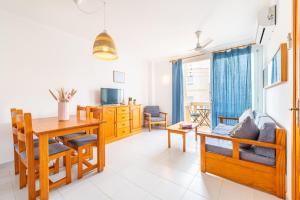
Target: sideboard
(121, 121)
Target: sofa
(257, 159)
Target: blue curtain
(231, 84)
(177, 92)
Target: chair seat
(35, 143)
(157, 119)
(88, 139)
(53, 149)
(195, 114)
(66, 137)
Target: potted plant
(63, 98)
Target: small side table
(175, 128)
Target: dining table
(51, 127)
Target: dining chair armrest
(222, 118)
(241, 141)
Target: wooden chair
(17, 151)
(29, 156)
(153, 116)
(13, 112)
(83, 145)
(261, 176)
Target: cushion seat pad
(53, 149)
(223, 129)
(225, 148)
(156, 119)
(73, 135)
(88, 139)
(36, 143)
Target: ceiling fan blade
(207, 42)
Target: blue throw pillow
(245, 130)
(266, 134)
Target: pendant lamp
(104, 46)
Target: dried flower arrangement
(63, 95)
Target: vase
(63, 111)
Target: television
(111, 96)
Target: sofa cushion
(156, 119)
(223, 129)
(245, 130)
(224, 147)
(266, 134)
(246, 113)
(154, 110)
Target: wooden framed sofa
(222, 155)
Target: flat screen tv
(111, 96)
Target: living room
(127, 77)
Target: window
(197, 81)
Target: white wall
(35, 57)
(162, 86)
(278, 99)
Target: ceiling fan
(200, 46)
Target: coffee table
(175, 128)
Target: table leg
(169, 139)
(44, 170)
(183, 142)
(100, 149)
(196, 130)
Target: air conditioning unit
(267, 19)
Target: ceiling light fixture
(104, 46)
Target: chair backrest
(25, 134)
(153, 110)
(82, 112)
(95, 113)
(13, 114)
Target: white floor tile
(141, 167)
(167, 190)
(193, 196)
(206, 186)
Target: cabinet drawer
(123, 131)
(122, 110)
(122, 117)
(123, 124)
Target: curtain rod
(216, 51)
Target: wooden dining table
(45, 128)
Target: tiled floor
(143, 168)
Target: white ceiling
(149, 28)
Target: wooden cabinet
(135, 118)
(121, 121)
(109, 127)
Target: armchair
(152, 116)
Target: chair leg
(22, 177)
(91, 155)
(165, 124)
(80, 163)
(16, 160)
(149, 126)
(56, 166)
(68, 167)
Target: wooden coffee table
(175, 128)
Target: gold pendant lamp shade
(104, 47)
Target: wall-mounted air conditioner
(267, 19)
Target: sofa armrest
(241, 141)
(222, 118)
(147, 114)
(164, 114)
